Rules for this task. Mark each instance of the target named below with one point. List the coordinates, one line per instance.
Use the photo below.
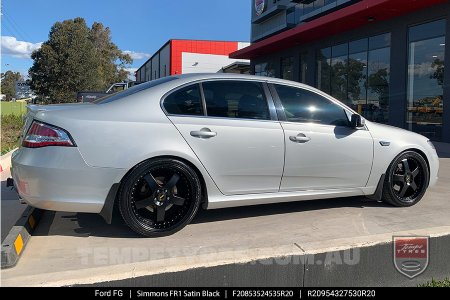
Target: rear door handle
(300, 138)
(204, 133)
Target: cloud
(423, 69)
(131, 73)
(20, 49)
(137, 55)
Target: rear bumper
(57, 178)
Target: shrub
(436, 283)
(11, 127)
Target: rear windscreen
(133, 90)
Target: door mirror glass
(357, 121)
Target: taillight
(43, 135)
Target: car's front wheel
(160, 197)
(406, 179)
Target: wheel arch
(421, 153)
(111, 199)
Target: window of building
(304, 106)
(287, 68)
(296, 14)
(303, 67)
(236, 99)
(339, 59)
(357, 73)
(318, 4)
(426, 78)
(378, 76)
(265, 69)
(308, 7)
(324, 70)
(185, 101)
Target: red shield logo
(411, 254)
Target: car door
(232, 132)
(322, 150)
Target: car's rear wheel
(406, 179)
(160, 197)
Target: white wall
(205, 63)
(243, 45)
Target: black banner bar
(113, 293)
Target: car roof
(203, 76)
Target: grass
(11, 127)
(437, 283)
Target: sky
(139, 27)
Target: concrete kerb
(15, 242)
(375, 267)
(5, 160)
(289, 265)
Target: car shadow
(8, 193)
(85, 225)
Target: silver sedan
(165, 148)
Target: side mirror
(356, 121)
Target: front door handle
(300, 138)
(204, 133)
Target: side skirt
(221, 201)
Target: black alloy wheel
(160, 197)
(406, 180)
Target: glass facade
(425, 92)
(357, 73)
(387, 64)
(287, 68)
(303, 12)
(378, 77)
(303, 67)
(323, 67)
(265, 69)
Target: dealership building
(193, 56)
(384, 58)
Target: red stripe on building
(348, 18)
(177, 47)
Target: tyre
(159, 197)
(406, 179)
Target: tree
(339, 80)
(356, 79)
(8, 85)
(108, 54)
(438, 74)
(76, 58)
(379, 83)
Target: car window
(185, 101)
(301, 105)
(236, 99)
(133, 90)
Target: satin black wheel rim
(161, 198)
(407, 179)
